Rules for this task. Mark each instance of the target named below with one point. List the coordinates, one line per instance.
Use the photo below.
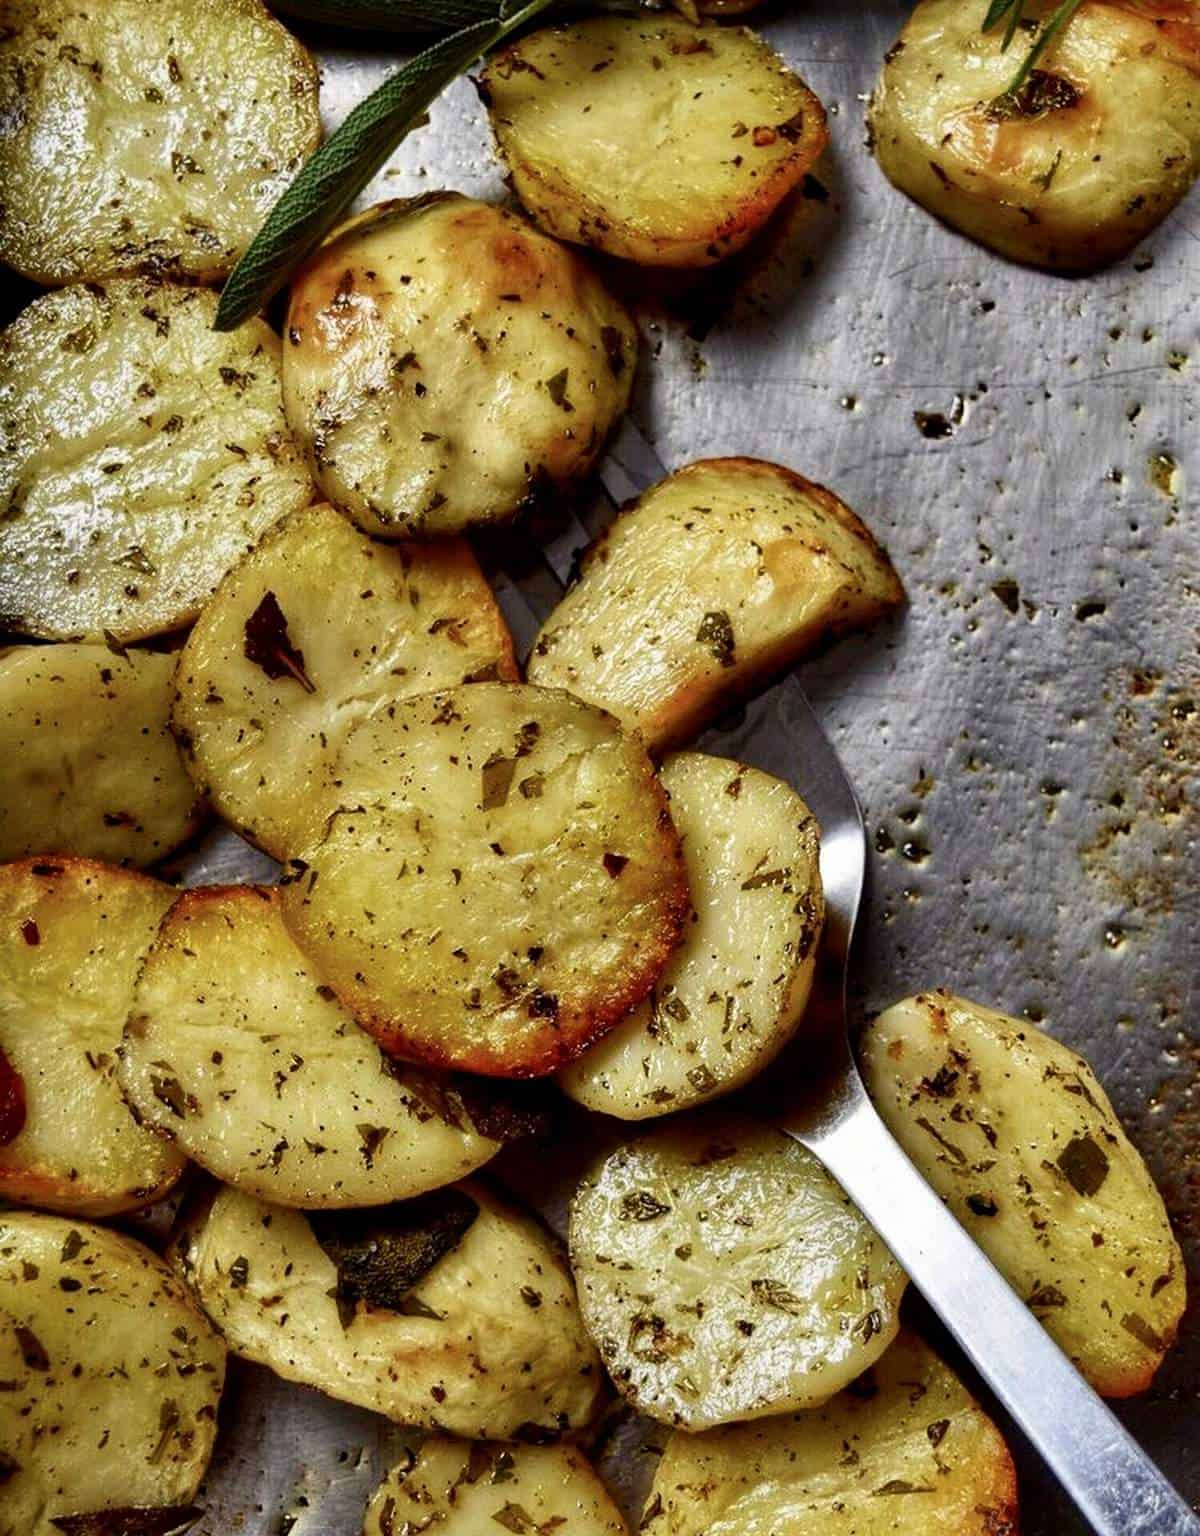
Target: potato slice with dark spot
(498, 881)
(651, 138)
(445, 361)
(904, 1448)
(112, 1378)
(1075, 168)
(714, 580)
(315, 629)
(87, 763)
(72, 935)
(145, 136)
(1015, 1133)
(725, 1275)
(146, 454)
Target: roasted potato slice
(719, 129)
(444, 360)
(236, 1051)
(719, 576)
(87, 762)
(725, 1275)
(111, 1380)
(316, 628)
(734, 991)
(72, 934)
(904, 1448)
(498, 883)
(145, 135)
(490, 1344)
(145, 454)
(1015, 1133)
(1072, 170)
(465, 1489)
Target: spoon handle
(1116, 1486)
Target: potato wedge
(236, 1052)
(316, 628)
(499, 883)
(1015, 1133)
(112, 1377)
(718, 127)
(725, 1275)
(145, 135)
(464, 1489)
(1075, 168)
(719, 576)
(735, 989)
(72, 934)
(146, 453)
(444, 360)
(87, 763)
(904, 1448)
(490, 1344)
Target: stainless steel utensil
(1113, 1482)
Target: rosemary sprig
(402, 16)
(1012, 12)
(339, 170)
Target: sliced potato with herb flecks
(725, 1276)
(903, 1448)
(87, 763)
(236, 1051)
(1015, 1133)
(651, 138)
(716, 578)
(463, 1489)
(145, 454)
(145, 135)
(1074, 168)
(444, 360)
(498, 883)
(72, 934)
(112, 1378)
(734, 991)
(316, 628)
(462, 1320)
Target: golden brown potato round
(444, 360)
(111, 1376)
(315, 629)
(1072, 171)
(904, 1449)
(87, 762)
(713, 580)
(725, 1276)
(144, 454)
(72, 935)
(651, 138)
(145, 135)
(736, 988)
(235, 1051)
(498, 882)
(1014, 1132)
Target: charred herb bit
(496, 778)
(12, 1101)
(371, 1138)
(170, 1091)
(1141, 1330)
(513, 1518)
(1047, 1296)
(982, 1205)
(716, 632)
(131, 1522)
(930, 1129)
(897, 1485)
(32, 1350)
(614, 349)
(868, 1325)
(767, 877)
(267, 644)
(556, 388)
(773, 1293)
(936, 1432)
(1083, 1164)
(614, 863)
(641, 1205)
(136, 559)
(381, 1254)
(1040, 93)
(239, 1273)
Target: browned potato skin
(1070, 188)
(690, 693)
(657, 231)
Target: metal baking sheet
(1024, 737)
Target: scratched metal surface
(1024, 738)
